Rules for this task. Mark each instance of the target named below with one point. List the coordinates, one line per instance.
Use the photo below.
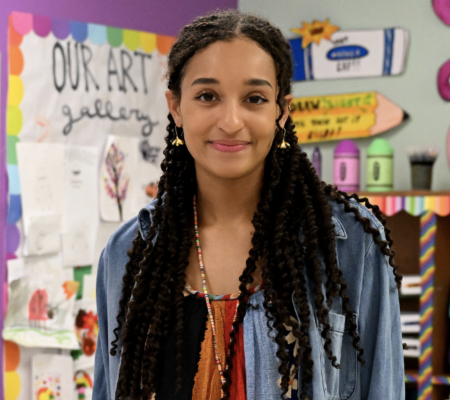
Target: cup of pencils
(422, 159)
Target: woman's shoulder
(122, 239)
(348, 227)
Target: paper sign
(344, 116)
(351, 54)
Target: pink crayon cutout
(443, 81)
(448, 147)
(22, 22)
(346, 166)
(442, 10)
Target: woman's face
(228, 108)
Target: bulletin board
(86, 121)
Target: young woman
(247, 277)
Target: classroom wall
(415, 91)
(159, 16)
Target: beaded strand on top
(208, 303)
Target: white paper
(414, 347)
(52, 377)
(44, 235)
(89, 282)
(42, 180)
(118, 182)
(40, 306)
(15, 269)
(81, 205)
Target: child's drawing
(86, 329)
(120, 179)
(83, 385)
(41, 305)
(116, 181)
(37, 308)
(52, 377)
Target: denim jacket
(373, 298)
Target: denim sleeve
(101, 367)
(382, 375)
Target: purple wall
(159, 16)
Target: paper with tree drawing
(119, 169)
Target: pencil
(344, 116)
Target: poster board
(74, 87)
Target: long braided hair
(292, 198)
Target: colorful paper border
(24, 23)
(414, 205)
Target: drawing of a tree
(115, 182)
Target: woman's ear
(173, 103)
(288, 98)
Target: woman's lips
(229, 147)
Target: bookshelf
(420, 225)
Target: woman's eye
(256, 99)
(206, 97)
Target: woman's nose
(230, 117)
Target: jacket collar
(145, 221)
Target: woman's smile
(229, 146)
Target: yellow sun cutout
(315, 32)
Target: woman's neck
(227, 202)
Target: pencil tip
(405, 116)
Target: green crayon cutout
(380, 166)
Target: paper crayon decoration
(344, 116)
(317, 161)
(442, 10)
(443, 81)
(351, 54)
(346, 166)
(380, 166)
(448, 147)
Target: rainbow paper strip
(411, 378)
(414, 205)
(441, 380)
(427, 267)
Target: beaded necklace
(208, 303)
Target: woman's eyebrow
(213, 81)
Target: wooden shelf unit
(420, 226)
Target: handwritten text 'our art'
(71, 64)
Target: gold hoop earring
(177, 141)
(284, 144)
